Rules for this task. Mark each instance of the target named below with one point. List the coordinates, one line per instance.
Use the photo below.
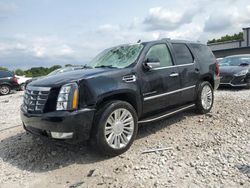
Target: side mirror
(151, 63)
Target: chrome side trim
(166, 115)
(189, 64)
(168, 93)
(34, 88)
(129, 78)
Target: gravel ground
(210, 150)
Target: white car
(21, 81)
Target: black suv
(122, 87)
(8, 82)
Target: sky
(37, 33)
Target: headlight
(68, 97)
(241, 73)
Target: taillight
(15, 80)
(217, 69)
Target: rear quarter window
(203, 53)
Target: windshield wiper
(104, 66)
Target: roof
(246, 28)
(172, 41)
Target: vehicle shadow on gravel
(227, 88)
(41, 155)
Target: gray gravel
(210, 150)
(9, 110)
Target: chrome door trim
(166, 115)
(168, 67)
(168, 93)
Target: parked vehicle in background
(219, 60)
(235, 71)
(57, 71)
(8, 82)
(123, 86)
(21, 81)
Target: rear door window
(182, 54)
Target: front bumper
(235, 81)
(78, 123)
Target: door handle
(174, 74)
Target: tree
(3, 68)
(19, 72)
(54, 68)
(236, 36)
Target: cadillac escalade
(122, 87)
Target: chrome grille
(35, 99)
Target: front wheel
(4, 90)
(116, 128)
(205, 98)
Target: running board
(155, 118)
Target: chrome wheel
(4, 90)
(119, 128)
(206, 97)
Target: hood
(67, 77)
(232, 69)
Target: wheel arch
(5, 83)
(208, 78)
(126, 96)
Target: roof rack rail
(166, 39)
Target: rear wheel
(116, 128)
(4, 90)
(205, 98)
(22, 87)
(248, 86)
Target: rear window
(204, 53)
(182, 54)
(4, 74)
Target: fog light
(59, 135)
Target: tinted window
(161, 52)
(204, 53)
(4, 74)
(182, 54)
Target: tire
(248, 86)
(205, 98)
(5, 89)
(22, 87)
(106, 137)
